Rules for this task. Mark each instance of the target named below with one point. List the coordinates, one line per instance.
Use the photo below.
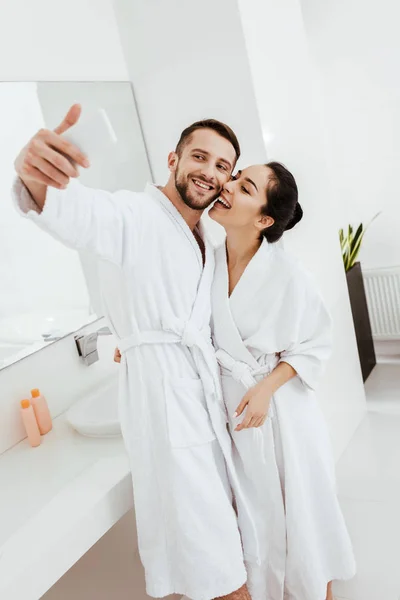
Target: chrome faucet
(87, 345)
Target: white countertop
(56, 501)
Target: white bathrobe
(157, 301)
(286, 465)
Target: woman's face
(242, 199)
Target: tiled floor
(369, 491)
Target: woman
(271, 331)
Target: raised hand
(46, 159)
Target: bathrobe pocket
(188, 419)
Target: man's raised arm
(49, 193)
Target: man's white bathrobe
(286, 465)
(157, 301)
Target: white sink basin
(97, 415)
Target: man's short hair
(217, 126)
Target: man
(156, 269)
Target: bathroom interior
(311, 83)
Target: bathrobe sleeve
(104, 223)
(311, 349)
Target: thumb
(70, 119)
(241, 406)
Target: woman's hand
(257, 401)
(258, 398)
(117, 355)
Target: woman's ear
(172, 161)
(264, 222)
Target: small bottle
(42, 412)
(29, 420)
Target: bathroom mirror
(48, 290)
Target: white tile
(375, 532)
(368, 475)
(383, 388)
(369, 469)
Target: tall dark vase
(362, 324)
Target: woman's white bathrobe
(157, 300)
(286, 465)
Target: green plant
(350, 244)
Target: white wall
(74, 40)
(188, 62)
(356, 49)
(289, 105)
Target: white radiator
(382, 288)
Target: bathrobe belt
(242, 372)
(179, 331)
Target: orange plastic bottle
(29, 420)
(42, 412)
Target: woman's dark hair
(217, 126)
(282, 202)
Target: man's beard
(182, 183)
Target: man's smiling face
(204, 165)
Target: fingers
(70, 119)
(251, 421)
(260, 421)
(117, 355)
(241, 406)
(47, 148)
(245, 423)
(55, 177)
(52, 165)
(70, 150)
(255, 422)
(55, 139)
(44, 165)
(40, 177)
(48, 158)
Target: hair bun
(297, 216)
